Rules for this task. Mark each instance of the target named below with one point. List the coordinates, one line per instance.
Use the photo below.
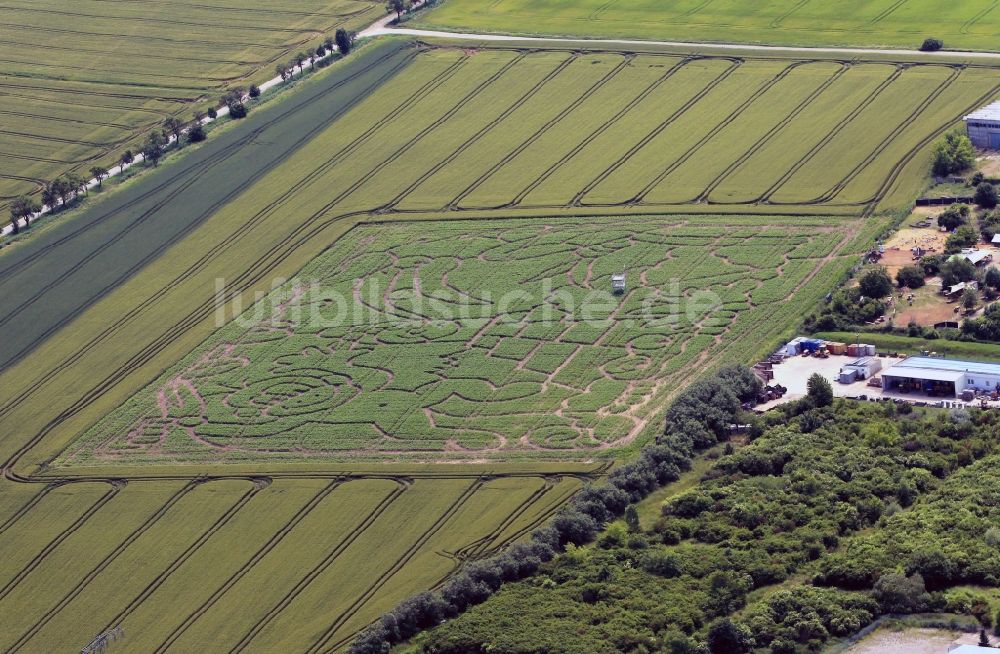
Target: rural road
(382, 27)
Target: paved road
(382, 27)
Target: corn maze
(277, 483)
(486, 340)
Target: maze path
(408, 347)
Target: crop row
(81, 83)
(236, 561)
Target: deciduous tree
(99, 173)
(876, 283)
(173, 127)
(910, 277)
(152, 149)
(819, 390)
(398, 6)
(986, 196)
(345, 41)
(23, 208)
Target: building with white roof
(983, 126)
(941, 377)
(974, 256)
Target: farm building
(958, 288)
(974, 256)
(859, 369)
(996, 239)
(983, 126)
(970, 649)
(941, 377)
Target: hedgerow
(883, 509)
(579, 522)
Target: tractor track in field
(318, 569)
(100, 567)
(919, 110)
(566, 111)
(476, 548)
(716, 129)
(186, 178)
(321, 644)
(608, 124)
(245, 569)
(35, 561)
(28, 506)
(258, 484)
(486, 129)
(831, 134)
(577, 200)
(776, 129)
(459, 558)
(897, 169)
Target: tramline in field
(419, 169)
(83, 82)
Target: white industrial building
(860, 369)
(983, 126)
(941, 377)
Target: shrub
(989, 225)
(196, 133)
(726, 637)
(910, 277)
(897, 593)
(953, 216)
(963, 237)
(931, 45)
(986, 196)
(254, 91)
(820, 391)
(661, 564)
(953, 154)
(876, 283)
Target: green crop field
(257, 564)
(496, 340)
(286, 490)
(490, 129)
(966, 24)
(81, 82)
